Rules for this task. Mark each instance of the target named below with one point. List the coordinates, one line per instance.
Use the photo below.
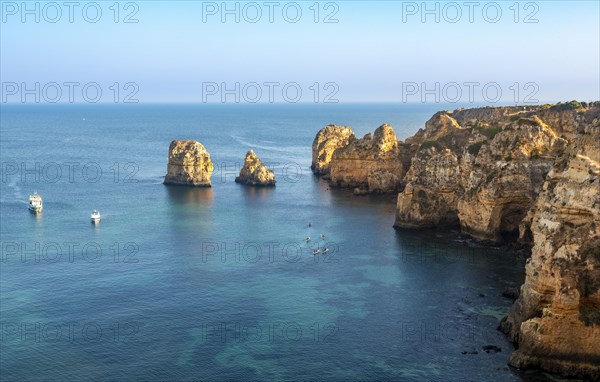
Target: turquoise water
(179, 283)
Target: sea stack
(189, 164)
(255, 173)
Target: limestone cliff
(370, 164)
(483, 168)
(433, 181)
(502, 173)
(327, 140)
(255, 173)
(556, 319)
(532, 172)
(506, 177)
(189, 164)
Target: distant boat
(95, 217)
(36, 204)
(325, 250)
(316, 251)
(307, 239)
(323, 236)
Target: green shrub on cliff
(427, 144)
(573, 105)
(528, 122)
(474, 148)
(423, 200)
(490, 176)
(589, 314)
(489, 132)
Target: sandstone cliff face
(328, 139)
(505, 179)
(255, 173)
(556, 320)
(371, 164)
(189, 164)
(501, 172)
(531, 171)
(433, 181)
(431, 194)
(483, 168)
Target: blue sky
(371, 54)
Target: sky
(304, 51)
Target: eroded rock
(556, 319)
(328, 139)
(189, 164)
(371, 164)
(254, 172)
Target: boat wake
(281, 149)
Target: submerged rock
(255, 173)
(189, 164)
(510, 293)
(491, 349)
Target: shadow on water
(182, 195)
(345, 196)
(256, 194)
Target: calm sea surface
(179, 283)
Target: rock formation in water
(531, 172)
(369, 165)
(502, 174)
(328, 139)
(189, 164)
(255, 173)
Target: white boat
(325, 250)
(316, 251)
(95, 217)
(323, 236)
(307, 239)
(36, 205)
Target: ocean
(180, 283)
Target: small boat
(325, 250)
(36, 205)
(316, 251)
(307, 239)
(95, 217)
(323, 236)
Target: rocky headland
(328, 139)
(189, 164)
(503, 175)
(255, 173)
(368, 165)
